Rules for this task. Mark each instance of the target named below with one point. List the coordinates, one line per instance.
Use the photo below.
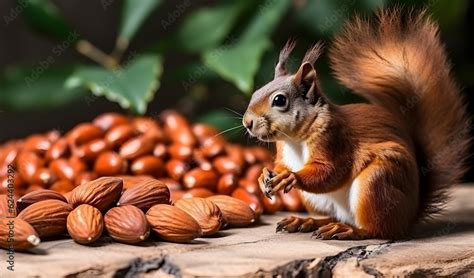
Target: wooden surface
(445, 247)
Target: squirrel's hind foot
(293, 224)
(337, 230)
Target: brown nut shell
(148, 165)
(173, 224)
(127, 224)
(136, 147)
(252, 200)
(292, 201)
(227, 184)
(85, 224)
(145, 194)
(110, 164)
(37, 196)
(177, 128)
(83, 133)
(119, 135)
(197, 192)
(236, 212)
(198, 177)
(25, 236)
(205, 212)
(47, 217)
(176, 169)
(110, 120)
(100, 193)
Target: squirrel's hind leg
(293, 224)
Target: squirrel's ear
(306, 80)
(280, 68)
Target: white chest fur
(339, 204)
(295, 155)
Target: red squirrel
(376, 168)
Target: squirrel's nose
(248, 123)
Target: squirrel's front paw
(272, 183)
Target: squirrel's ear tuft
(313, 53)
(280, 68)
(306, 80)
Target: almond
(148, 126)
(48, 217)
(292, 200)
(28, 164)
(127, 224)
(100, 193)
(24, 235)
(180, 151)
(130, 181)
(197, 192)
(177, 128)
(83, 133)
(236, 212)
(225, 164)
(91, 150)
(137, 146)
(85, 224)
(119, 135)
(148, 165)
(205, 212)
(252, 200)
(62, 186)
(145, 194)
(44, 176)
(63, 169)
(37, 143)
(198, 177)
(213, 146)
(57, 150)
(37, 196)
(160, 151)
(176, 195)
(110, 120)
(271, 206)
(110, 164)
(173, 224)
(227, 183)
(176, 169)
(85, 177)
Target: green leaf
(239, 61)
(207, 27)
(134, 14)
(238, 64)
(133, 86)
(44, 17)
(35, 89)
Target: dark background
(20, 45)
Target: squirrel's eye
(279, 101)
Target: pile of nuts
(127, 216)
(190, 161)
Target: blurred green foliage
(234, 42)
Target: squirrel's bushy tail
(400, 63)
